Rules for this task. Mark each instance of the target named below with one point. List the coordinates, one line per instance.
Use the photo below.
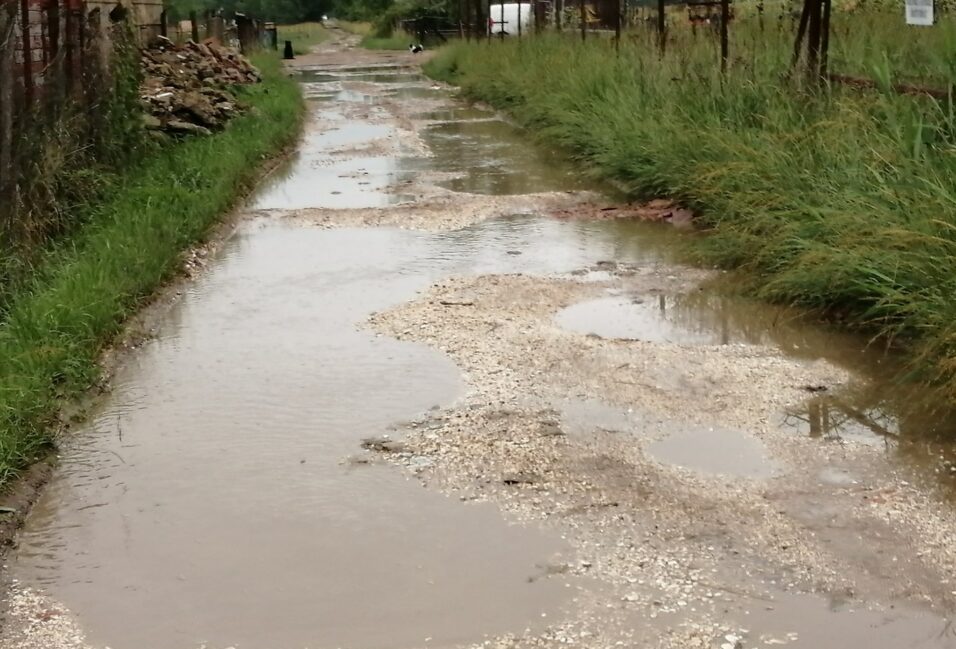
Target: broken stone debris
(382, 445)
(186, 88)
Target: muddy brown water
(214, 496)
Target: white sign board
(919, 12)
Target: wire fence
(802, 25)
(58, 70)
(47, 49)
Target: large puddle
(343, 167)
(213, 497)
(905, 419)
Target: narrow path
(567, 441)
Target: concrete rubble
(187, 89)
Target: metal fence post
(194, 23)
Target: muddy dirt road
(422, 397)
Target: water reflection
(493, 157)
(897, 418)
(831, 418)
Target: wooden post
(53, 28)
(194, 23)
(661, 26)
(813, 40)
(461, 22)
(825, 40)
(501, 27)
(558, 13)
(69, 45)
(163, 27)
(484, 21)
(801, 32)
(519, 20)
(724, 46)
(27, 53)
(8, 21)
(467, 20)
(584, 21)
(617, 25)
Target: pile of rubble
(186, 88)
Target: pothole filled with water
(716, 451)
(640, 317)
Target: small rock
(519, 478)
(383, 445)
(549, 429)
(151, 122)
(179, 126)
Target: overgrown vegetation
(74, 304)
(397, 40)
(70, 156)
(839, 200)
(303, 36)
(378, 17)
(357, 27)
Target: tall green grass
(399, 40)
(840, 201)
(377, 38)
(304, 36)
(58, 324)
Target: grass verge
(303, 36)
(838, 201)
(357, 27)
(397, 41)
(59, 323)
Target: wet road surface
(219, 495)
